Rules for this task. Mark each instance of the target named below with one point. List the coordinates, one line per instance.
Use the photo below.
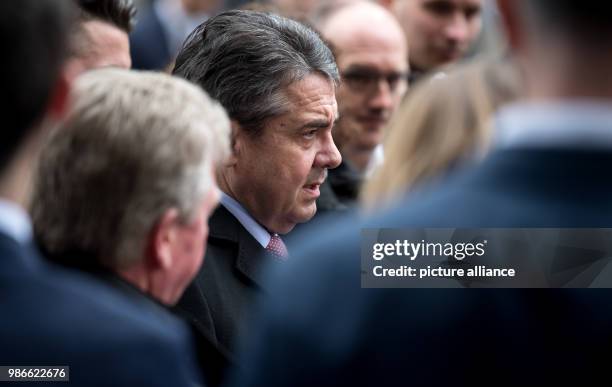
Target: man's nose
(328, 156)
(457, 30)
(382, 97)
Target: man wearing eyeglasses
(371, 53)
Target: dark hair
(585, 19)
(119, 13)
(245, 59)
(33, 37)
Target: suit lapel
(251, 259)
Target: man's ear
(237, 143)
(59, 97)
(160, 250)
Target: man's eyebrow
(318, 124)
(360, 68)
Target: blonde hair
(440, 122)
(134, 145)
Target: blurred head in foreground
(33, 88)
(563, 46)
(128, 181)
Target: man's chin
(307, 212)
(373, 127)
(447, 57)
(371, 136)
(367, 145)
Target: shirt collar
(255, 229)
(15, 222)
(575, 123)
(378, 158)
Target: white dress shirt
(15, 222)
(572, 123)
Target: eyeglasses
(367, 81)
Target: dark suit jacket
(55, 317)
(320, 328)
(210, 360)
(148, 44)
(229, 282)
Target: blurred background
(163, 25)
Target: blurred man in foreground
(126, 185)
(51, 317)
(545, 171)
(277, 81)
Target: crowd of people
(195, 220)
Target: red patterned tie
(277, 247)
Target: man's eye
(472, 12)
(441, 8)
(394, 79)
(360, 78)
(309, 134)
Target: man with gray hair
(546, 170)
(74, 329)
(126, 185)
(277, 81)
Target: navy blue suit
(148, 45)
(321, 329)
(51, 317)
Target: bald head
(362, 23)
(371, 53)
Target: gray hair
(134, 145)
(246, 59)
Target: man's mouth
(452, 53)
(374, 121)
(313, 189)
(312, 186)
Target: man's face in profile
(439, 31)
(277, 173)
